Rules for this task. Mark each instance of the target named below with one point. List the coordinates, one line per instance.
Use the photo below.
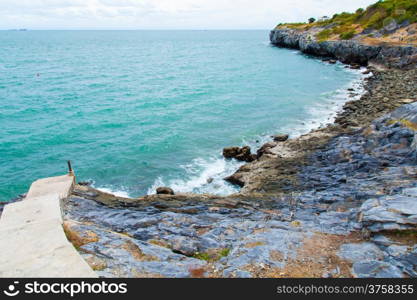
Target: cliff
(349, 52)
(384, 33)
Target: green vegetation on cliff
(374, 17)
(377, 15)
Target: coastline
(346, 51)
(283, 159)
(309, 207)
(338, 201)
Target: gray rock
(390, 213)
(243, 274)
(410, 192)
(391, 27)
(376, 269)
(184, 245)
(360, 252)
(396, 250)
(382, 240)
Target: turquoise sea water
(137, 109)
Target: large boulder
(230, 152)
(242, 154)
(281, 137)
(164, 191)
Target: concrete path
(32, 239)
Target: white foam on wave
(200, 171)
(202, 176)
(324, 113)
(119, 193)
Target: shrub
(347, 35)
(324, 35)
(371, 17)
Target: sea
(135, 110)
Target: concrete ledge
(32, 239)
(59, 186)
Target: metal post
(70, 171)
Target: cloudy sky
(165, 14)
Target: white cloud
(165, 14)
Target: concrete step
(32, 240)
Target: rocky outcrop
(348, 52)
(239, 153)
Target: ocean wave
(324, 113)
(202, 176)
(116, 192)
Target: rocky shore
(347, 51)
(337, 202)
(340, 201)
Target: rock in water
(281, 137)
(165, 191)
(230, 152)
(85, 183)
(242, 154)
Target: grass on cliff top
(375, 16)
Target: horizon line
(132, 29)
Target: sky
(165, 14)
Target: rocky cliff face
(349, 52)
